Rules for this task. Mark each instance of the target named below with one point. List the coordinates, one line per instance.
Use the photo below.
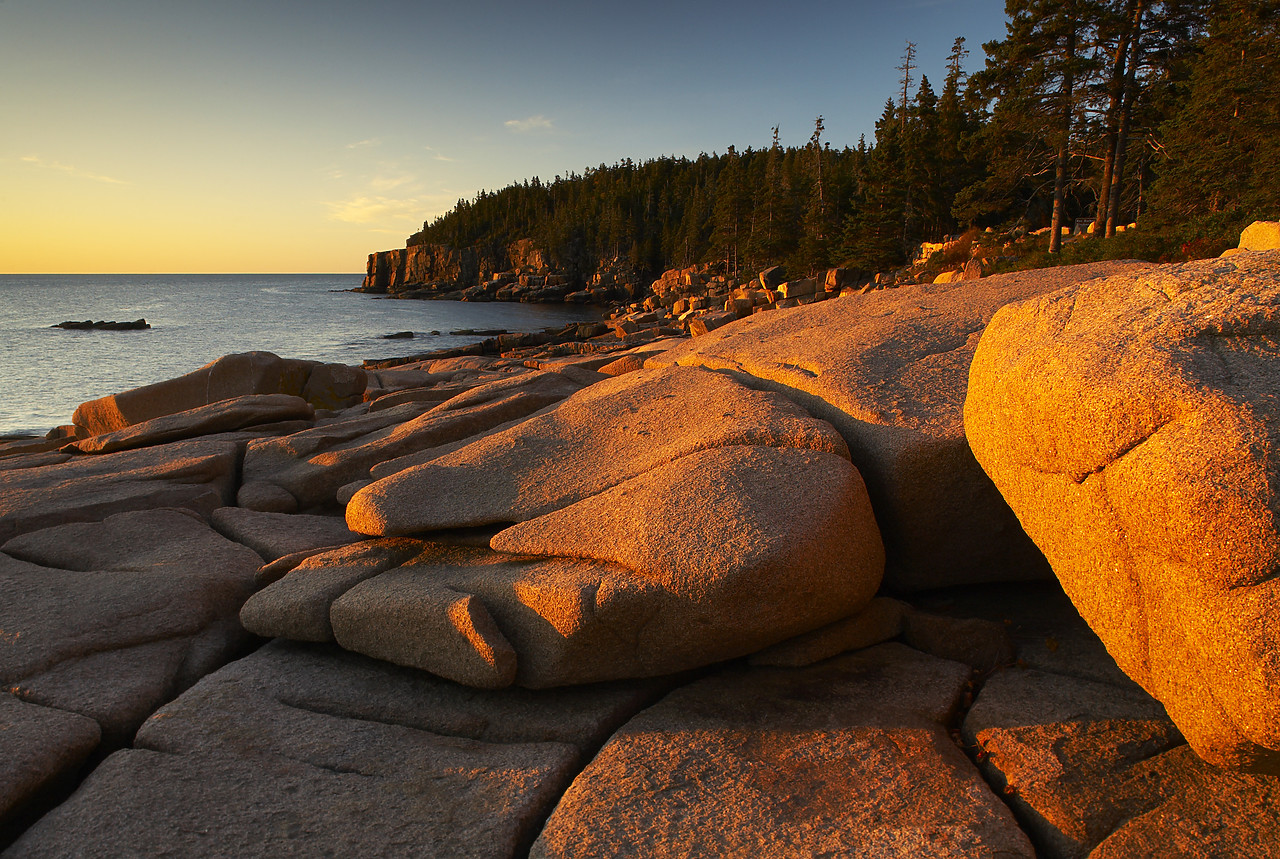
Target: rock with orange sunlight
(325, 386)
(1261, 236)
(199, 475)
(312, 751)
(716, 531)
(612, 431)
(889, 370)
(234, 413)
(691, 563)
(850, 757)
(1093, 769)
(309, 467)
(296, 605)
(1132, 424)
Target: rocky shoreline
(982, 568)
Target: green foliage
(1088, 108)
(1198, 238)
(1222, 144)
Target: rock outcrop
(612, 431)
(221, 416)
(199, 475)
(416, 265)
(1131, 423)
(111, 619)
(539, 545)
(307, 469)
(311, 750)
(850, 757)
(325, 386)
(889, 370)
(685, 565)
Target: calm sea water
(46, 372)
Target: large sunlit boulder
(1133, 424)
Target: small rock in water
(90, 325)
(399, 335)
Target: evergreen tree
(1036, 76)
(872, 234)
(1222, 147)
(816, 229)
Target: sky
(148, 136)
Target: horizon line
(166, 273)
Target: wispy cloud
(390, 183)
(70, 170)
(364, 144)
(368, 209)
(529, 123)
(434, 154)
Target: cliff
(419, 265)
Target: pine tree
(1036, 76)
(1222, 148)
(815, 234)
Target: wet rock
(1131, 422)
(90, 325)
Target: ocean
(46, 372)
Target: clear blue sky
(160, 136)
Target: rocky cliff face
(423, 264)
(392, 271)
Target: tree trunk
(1115, 93)
(1060, 168)
(1126, 119)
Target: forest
(1166, 114)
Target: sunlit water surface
(46, 372)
